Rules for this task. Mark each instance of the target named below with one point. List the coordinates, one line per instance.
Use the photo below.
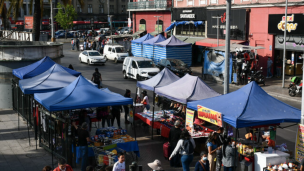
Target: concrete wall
(22, 36)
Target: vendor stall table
(262, 160)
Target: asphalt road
(113, 79)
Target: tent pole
(153, 111)
(235, 149)
(52, 146)
(28, 129)
(134, 127)
(18, 106)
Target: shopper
(126, 107)
(203, 163)
(279, 64)
(93, 45)
(156, 165)
(219, 143)
(84, 45)
(96, 78)
(174, 136)
(72, 43)
(120, 164)
(229, 156)
(83, 139)
(212, 148)
(47, 168)
(62, 165)
(104, 114)
(185, 147)
(145, 100)
(116, 110)
(77, 44)
(89, 45)
(269, 66)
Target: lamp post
(227, 48)
(284, 52)
(52, 23)
(218, 28)
(157, 23)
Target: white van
(115, 52)
(139, 68)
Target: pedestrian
(89, 45)
(103, 114)
(83, 36)
(279, 64)
(62, 165)
(269, 66)
(156, 165)
(219, 143)
(116, 110)
(71, 67)
(90, 168)
(96, 78)
(93, 45)
(120, 164)
(84, 45)
(47, 168)
(185, 146)
(73, 44)
(145, 100)
(212, 148)
(83, 139)
(229, 155)
(77, 44)
(174, 136)
(203, 163)
(126, 107)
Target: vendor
(270, 143)
(145, 100)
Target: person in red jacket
(63, 166)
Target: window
(191, 30)
(90, 9)
(111, 8)
(163, 62)
(123, 8)
(113, 50)
(134, 64)
(213, 1)
(168, 63)
(101, 8)
(109, 49)
(160, 22)
(24, 9)
(142, 21)
(203, 2)
(79, 8)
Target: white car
(139, 68)
(91, 57)
(115, 52)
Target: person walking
(145, 100)
(269, 66)
(116, 110)
(212, 148)
(229, 156)
(174, 136)
(219, 143)
(83, 139)
(96, 78)
(72, 43)
(279, 64)
(89, 45)
(77, 44)
(203, 163)
(84, 45)
(94, 45)
(62, 165)
(126, 107)
(120, 165)
(185, 146)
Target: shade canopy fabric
(183, 53)
(141, 39)
(54, 78)
(156, 39)
(188, 88)
(38, 68)
(163, 78)
(250, 106)
(172, 41)
(79, 94)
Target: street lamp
(284, 52)
(157, 23)
(227, 48)
(218, 27)
(52, 22)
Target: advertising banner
(129, 22)
(28, 22)
(209, 115)
(189, 117)
(189, 14)
(299, 152)
(294, 26)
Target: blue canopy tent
(79, 94)
(136, 45)
(250, 106)
(148, 46)
(38, 68)
(189, 88)
(54, 78)
(173, 48)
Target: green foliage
(65, 18)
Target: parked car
(59, 32)
(177, 66)
(139, 68)
(62, 35)
(91, 57)
(115, 52)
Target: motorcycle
(295, 87)
(258, 77)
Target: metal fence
(150, 4)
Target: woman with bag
(212, 148)
(203, 163)
(145, 100)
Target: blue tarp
(250, 106)
(54, 78)
(78, 95)
(197, 23)
(144, 38)
(137, 47)
(38, 68)
(216, 69)
(148, 46)
(165, 77)
(188, 88)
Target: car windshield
(177, 63)
(120, 50)
(145, 64)
(94, 54)
(58, 32)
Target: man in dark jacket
(116, 110)
(77, 44)
(219, 153)
(174, 136)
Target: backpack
(188, 146)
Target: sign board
(299, 151)
(189, 14)
(189, 117)
(129, 22)
(294, 26)
(28, 22)
(238, 24)
(142, 27)
(209, 115)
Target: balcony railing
(150, 4)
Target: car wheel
(115, 61)
(80, 59)
(125, 75)
(88, 62)
(106, 58)
(138, 78)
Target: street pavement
(16, 154)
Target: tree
(65, 18)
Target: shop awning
(137, 33)
(213, 42)
(154, 33)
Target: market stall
(137, 47)
(250, 106)
(148, 46)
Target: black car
(178, 67)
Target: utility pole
(157, 23)
(284, 52)
(52, 23)
(227, 47)
(218, 28)
(302, 103)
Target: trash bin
(246, 166)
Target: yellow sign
(299, 153)
(289, 26)
(189, 117)
(209, 115)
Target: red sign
(223, 18)
(210, 115)
(28, 22)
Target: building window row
(190, 30)
(90, 8)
